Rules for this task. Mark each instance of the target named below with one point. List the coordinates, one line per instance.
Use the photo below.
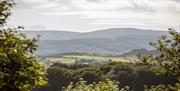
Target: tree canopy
(107, 85)
(168, 59)
(19, 69)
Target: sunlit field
(70, 59)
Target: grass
(70, 59)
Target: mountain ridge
(70, 34)
(108, 41)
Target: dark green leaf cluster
(128, 74)
(168, 59)
(19, 69)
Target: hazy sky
(90, 15)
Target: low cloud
(89, 14)
(168, 6)
(35, 27)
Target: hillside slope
(110, 41)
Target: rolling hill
(110, 41)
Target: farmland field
(70, 59)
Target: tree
(5, 7)
(19, 69)
(107, 85)
(168, 59)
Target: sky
(91, 15)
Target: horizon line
(103, 29)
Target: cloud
(35, 27)
(154, 11)
(169, 6)
(89, 13)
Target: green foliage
(168, 59)
(162, 87)
(5, 7)
(90, 76)
(129, 74)
(107, 85)
(61, 76)
(19, 69)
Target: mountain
(51, 34)
(110, 41)
(137, 52)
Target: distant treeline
(136, 76)
(81, 53)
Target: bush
(107, 85)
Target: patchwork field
(70, 59)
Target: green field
(70, 59)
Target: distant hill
(110, 41)
(51, 34)
(137, 52)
